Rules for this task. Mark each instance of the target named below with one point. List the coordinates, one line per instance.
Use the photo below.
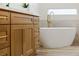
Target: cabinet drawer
(4, 36)
(4, 17)
(20, 19)
(5, 52)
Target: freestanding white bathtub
(57, 37)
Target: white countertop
(17, 10)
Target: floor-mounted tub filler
(57, 37)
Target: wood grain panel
(16, 40)
(17, 33)
(28, 43)
(5, 52)
(36, 32)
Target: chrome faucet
(51, 13)
(49, 18)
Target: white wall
(59, 20)
(34, 8)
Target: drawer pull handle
(3, 36)
(2, 17)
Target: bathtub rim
(58, 28)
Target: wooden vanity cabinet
(22, 42)
(18, 33)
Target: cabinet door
(16, 39)
(28, 42)
(22, 42)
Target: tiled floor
(66, 51)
